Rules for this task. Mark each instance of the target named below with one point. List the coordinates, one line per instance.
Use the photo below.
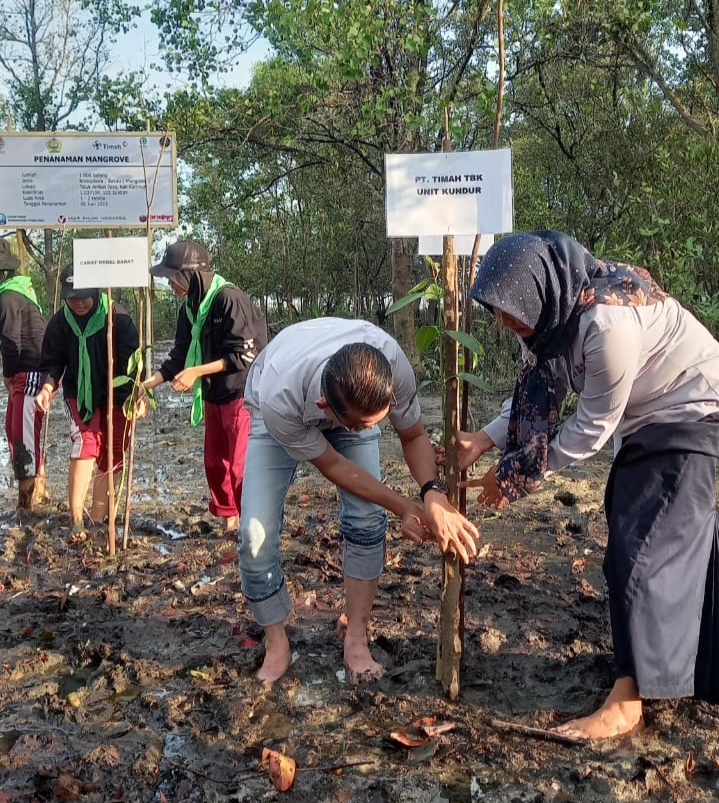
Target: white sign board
(463, 245)
(110, 262)
(448, 193)
(54, 180)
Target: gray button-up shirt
(631, 366)
(283, 384)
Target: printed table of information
(53, 180)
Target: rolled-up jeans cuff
(272, 610)
(363, 562)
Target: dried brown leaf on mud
(281, 768)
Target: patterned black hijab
(536, 277)
(546, 280)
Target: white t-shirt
(283, 384)
(631, 366)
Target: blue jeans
(268, 473)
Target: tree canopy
(611, 111)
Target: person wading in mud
(317, 392)
(219, 333)
(21, 331)
(74, 349)
(646, 372)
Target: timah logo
(53, 145)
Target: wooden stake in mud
(145, 331)
(451, 625)
(133, 433)
(110, 449)
(110, 406)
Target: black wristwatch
(433, 485)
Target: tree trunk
(403, 320)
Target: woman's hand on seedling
(470, 447)
(490, 495)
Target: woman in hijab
(647, 373)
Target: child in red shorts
(74, 349)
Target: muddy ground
(131, 678)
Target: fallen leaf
(300, 532)
(227, 557)
(410, 736)
(393, 560)
(483, 551)
(196, 673)
(579, 564)
(437, 729)
(281, 768)
(421, 731)
(690, 766)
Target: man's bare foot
(361, 666)
(621, 715)
(277, 656)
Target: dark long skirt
(662, 560)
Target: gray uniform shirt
(631, 366)
(283, 384)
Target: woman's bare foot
(277, 654)
(621, 715)
(361, 666)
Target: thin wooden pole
(133, 432)
(450, 646)
(110, 428)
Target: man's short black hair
(357, 377)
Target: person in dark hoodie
(219, 334)
(21, 331)
(74, 349)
